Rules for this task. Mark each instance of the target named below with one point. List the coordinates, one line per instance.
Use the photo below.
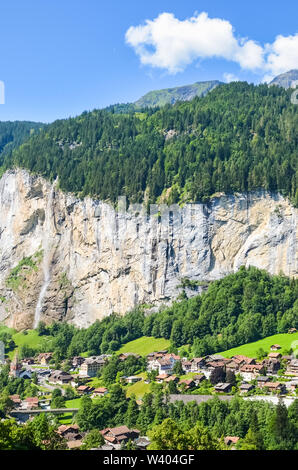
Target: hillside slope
(172, 95)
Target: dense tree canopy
(239, 137)
(13, 134)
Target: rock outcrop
(62, 258)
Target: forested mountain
(238, 138)
(13, 134)
(172, 95)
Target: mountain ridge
(286, 80)
(179, 93)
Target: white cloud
(171, 44)
(166, 42)
(282, 55)
(230, 77)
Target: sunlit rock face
(85, 259)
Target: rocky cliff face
(286, 80)
(79, 260)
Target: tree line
(238, 138)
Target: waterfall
(46, 262)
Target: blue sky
(59, 58)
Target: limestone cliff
(79, 260)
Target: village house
(274, 387)
(164, 364)
(272, 365)
(244, 388)
(186, 366)
(72, 434)
(77, 361)
(84, 389)
(44, 358)
(104, 447)
(273, 355)
(223, 387)
(60, 377)
(275, 347)
(124, 356)
(293, 367)
(240, 359)
(16, 400)
(142, 443)
(91, 366)
(215, 365)
(161, 378)
(187, 384)
(132, 379)
(233, 366)
(171, 378)
(117, 436)
(198, 379)
(69, 431)
(213, 357)
(261, 380)
(25, 374)
(73, 445)
(99, 392)
(152, 364)
(250, 371)
(156, 355)
(30, 403)
(197, 364)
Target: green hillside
(285, 340)
(145, 345)
(238, 138)
(29, 338)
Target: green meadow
(29, 338)
(145, 345)
(285, 340)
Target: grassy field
(250, 350)
(66, 418)
(145, 345)
(139, 388)
(30, 338)
(75, 403)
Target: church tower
(15, 367)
